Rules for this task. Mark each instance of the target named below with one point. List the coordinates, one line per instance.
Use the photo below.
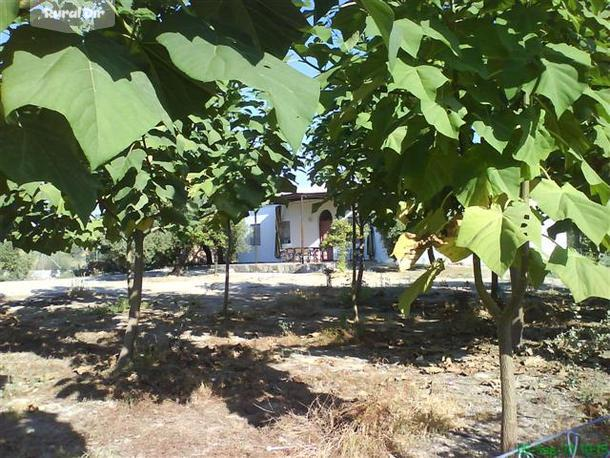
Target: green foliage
(121, 305)
(9, 10)
(14, 263)
(170, 247)
(339, 236)
(127, 120)
(402, 102)
(91, 78)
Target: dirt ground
(287, 374)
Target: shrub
(15, 264)
(339, 236)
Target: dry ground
(287, 375)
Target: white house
(290, 228)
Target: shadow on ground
(177, 353)
(38, 434)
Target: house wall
(311, 230)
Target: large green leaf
(482, 173)
(492, 235)
(405, 35)
(382, 14)
(566, 202)
(44, 149)
(9, 9)
(419, 286)
(197, 51)
(577, 55)
(421, 81)
(119, 167)
(266, 26)
(444, 121)
(559, 83)
(535, 143)
(580, 274)
(92, 81)
(493, 133)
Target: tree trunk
(503, 318)
(508, 385)
(209, 259)
(217, 253)
(181, 261)
(225, 306)
(360, 275)
(518, 280)
(495, 291)
(134, 290)
(431, 256)
(354, 268)
(517, 327)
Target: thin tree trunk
(353, 249)
(518, 323)
(508, 385)
(503, 318)
(431, 256)
(354, 268)
(495, 292)
(134, 291)
(225, 306)
(518, 276)
(361, 247)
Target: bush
(339, 237)
(15, 264)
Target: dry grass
(333, 336)
(390, 422)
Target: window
(285, 232)
(255, 234)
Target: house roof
(296, 196)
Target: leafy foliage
(422, 77)
(14, 263)
(113, 87)
(339, 236)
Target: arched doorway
(326, 220)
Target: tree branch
(488, 301)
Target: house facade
(291, 228)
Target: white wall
(266, 251)
(292, 212)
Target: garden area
(427, 184)
(286, 375)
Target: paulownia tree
(496, 118)
(240, 161)
(72, 103)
